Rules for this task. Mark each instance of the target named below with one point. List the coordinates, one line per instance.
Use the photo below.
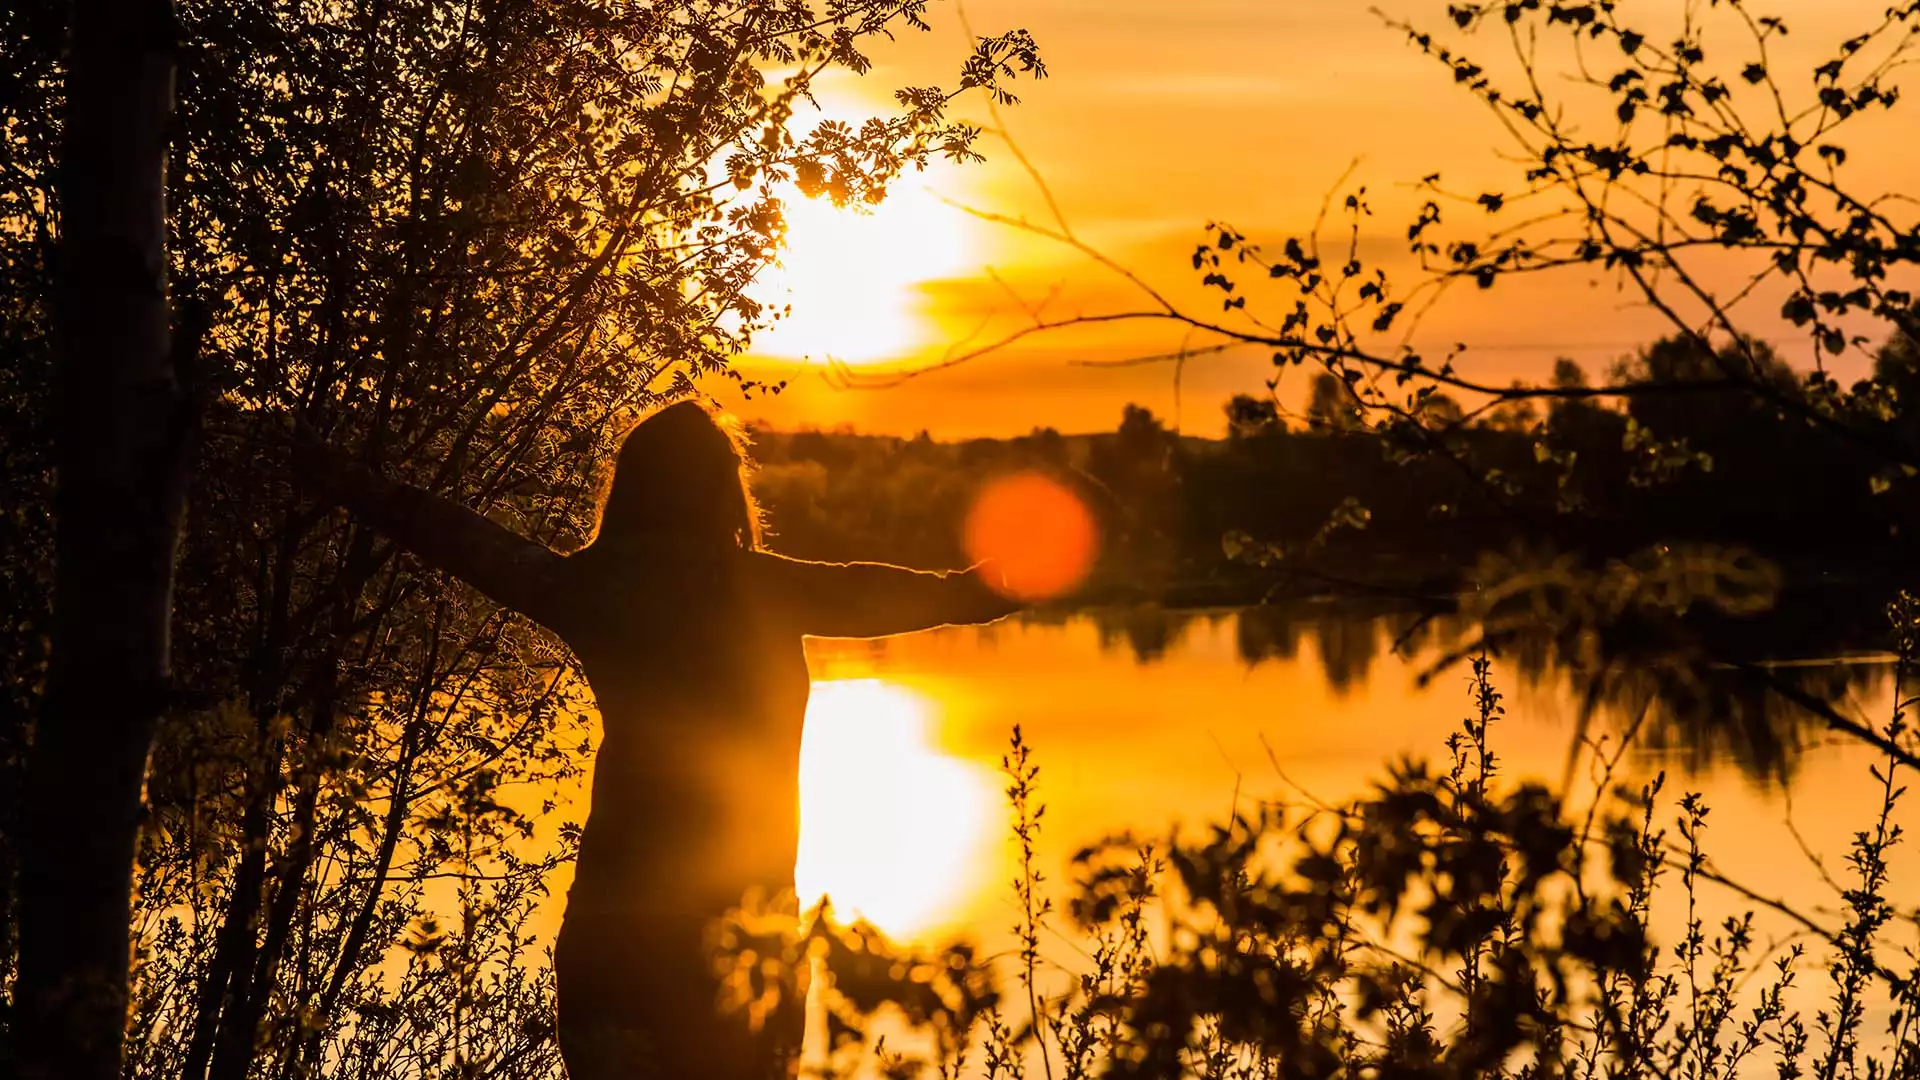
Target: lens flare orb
(1039, 534)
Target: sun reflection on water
(891, 828)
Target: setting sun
(852, 276)
(890, 828)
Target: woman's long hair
(681, 477)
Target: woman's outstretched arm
(871, 599)
(508, 568)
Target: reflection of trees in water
(1740, 714)
(1347, 647)
(1701, 651)
(1268, 632)
(1690, 678)
(1682, 692)
(1148, 631)
(1346, 639)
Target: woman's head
(681, 476)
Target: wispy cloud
(1218, 85)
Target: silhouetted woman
(689, 635)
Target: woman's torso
(702, 700)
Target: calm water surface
(1145, 722)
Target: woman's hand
(993, 574)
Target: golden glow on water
(853, 276)
(891, 828)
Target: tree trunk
(122, 432)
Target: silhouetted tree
(121, 428)
(1718, 189)
(1137, 465)
(1680, 178)
(466, 244)
(1249, 416)
(1331, 406)
(1044, 444)
(1440, 410)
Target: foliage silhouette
(1711, 184)
(1453, 923)
(469, 244)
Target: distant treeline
(1306, 504)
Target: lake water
(1145, 723)
(1148, 722)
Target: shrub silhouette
(1448, 923)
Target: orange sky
(1157, 117)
